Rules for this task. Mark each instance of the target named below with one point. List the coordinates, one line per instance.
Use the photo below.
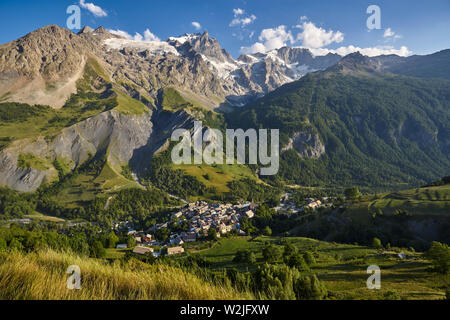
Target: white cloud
(242, 21)
(238, 12)
(317, 37)
(148, 36)
(254, 48)
(370, 52)
(95, 10)
(388, 33)
(196, 25)
(303, 18)
(272, 38)
(121, 33)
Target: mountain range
(67, 99)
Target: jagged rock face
(262, 73)
(20, 179)
(51, 52)
(44, 66)
(305, 57)
(210, 48)
(119, 134)
(251, 76)
(154, 71)
(307, 144)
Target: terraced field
(427, 200)
(343, 268)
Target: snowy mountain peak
(154, 47)
(248, 76)
(187, 37)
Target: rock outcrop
(122, 138)
(307, 144)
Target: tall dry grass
(42, 275)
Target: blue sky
(407, 27)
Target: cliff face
(307, 144)
(42, 67)
(122, 138)
(23, 179)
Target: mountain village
(202, 216)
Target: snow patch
(223, 69)
(156, 47)
(187, 37)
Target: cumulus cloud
(272, 38)
(95, 10)
(147, 37)
(120, 33)
(317, 37)
(240, 19)
(389, 34)
(196, 25)
(370, 51)
(238, 12)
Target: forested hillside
(379, 131)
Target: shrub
(271, 253)
(309, 288)
(97, 250)
(267, 231)
(131, 242)
(439, 254)
(309, 258)
(352, 193)
(296, 261)
(376, 243)
(276, 281)
(3, 244)
(392, 295)
(289, 249)
(245, 256)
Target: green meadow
(343, 268)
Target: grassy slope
(217, 176)
(342, 268)
(87, 186)
(419, 201)
(41, 217)
(45, 121)
(31, 161)
(43, 275)
(171, 100)
(129, 106)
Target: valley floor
(343, 268)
